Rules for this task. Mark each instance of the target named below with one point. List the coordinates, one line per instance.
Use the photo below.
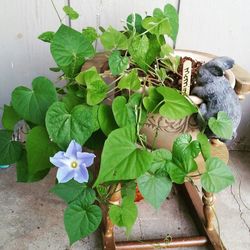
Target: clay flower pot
(169, 129)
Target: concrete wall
(219, 27)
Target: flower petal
(59, 154)
(81, 174)
(72, 149)
(60, 162)
(64, 174)
(86, 158)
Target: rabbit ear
(215, 70)
(218, 65)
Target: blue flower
(72, 164)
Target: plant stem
(60, 19)
(157, 106)
(145, 32)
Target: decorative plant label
(186, 77)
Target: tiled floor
(32, 218)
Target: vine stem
(145, 32)
(60, 19)
(158, 105)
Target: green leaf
(90, 34)
(22, 168)
(157, 25)
(32, 104)
(96, 140)
(117, 63)
(64, 126)
(129, 189)
(10, 117)
(10, 151)
(47, 36)
(144, 50)
(39, 149)
(55, 69)
(151, 102)
(184, 151)
(166, 49)
(160, 159)
(183, 145)
(69, 49)
(121, 158)
(96, 88)
(204, 145)
(71, 100)
(124, 215)
(217, 176)
(123, 114)
(172, 14)
(154, 188)
(176, 173)
(113, 39)
(106, 119)
(80, 220)
(70, 12)
(176, 105)
(72, 190)
(134, 22)
(130, 81)
(222, 126)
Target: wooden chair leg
(208, 209)
(108, 227)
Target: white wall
(220, 27)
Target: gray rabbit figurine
(217, 93)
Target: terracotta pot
(169, 129)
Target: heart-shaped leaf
(10, 117)
(134, 22)
(204, 145)
(10, 151)
(217, 175)
(117, 63)
(96, 88)
(90, 34)
(64, 126)
(121, 158)
(124, 215)
(70, 12)
(176, 105)
(81, 219)
(172, 14)
(106, 119)
(123, 114)
(183, 145)
(69, 49)
(152, 101)
(130, 81)
(113, 39)
(222, 126)
(160, 158)
(144, 50)
(39, 148)
(176, 173)
(154, 188)
(32, 104)
(73, 190)
(47, 36)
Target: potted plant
(94, 118)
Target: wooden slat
(23, 56)
(112, 12)
(218, 27)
